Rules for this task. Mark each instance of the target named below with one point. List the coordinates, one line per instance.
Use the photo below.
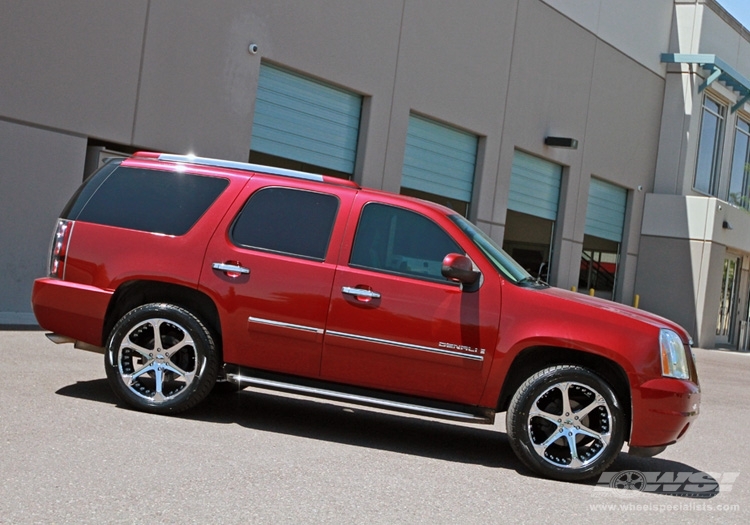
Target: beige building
(603, 143)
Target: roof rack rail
(246, 166)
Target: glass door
(726, 327)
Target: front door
(396, 323)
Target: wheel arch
(533, 359)
(132, 294)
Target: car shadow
(95, 390)
(337, 423)
(369, 428)
(352, 425)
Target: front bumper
(663, 410)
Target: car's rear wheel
(565, 423)
(161, 358)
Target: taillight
(59, 248)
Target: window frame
(744, 199)
(717, 147)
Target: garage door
(534, 186)
(605, 215)
(305, 120)
(439, 159)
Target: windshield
(504, 263)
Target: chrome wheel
(569, 425)
(157, 360)
(161, 358)
(565, 422)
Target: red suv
(185, 271)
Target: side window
(146, 200)
(400, 241)
(288, 221)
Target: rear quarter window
(147, 200)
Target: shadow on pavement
(351, 425)
(96, 390)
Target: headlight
(673, 357)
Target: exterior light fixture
(726, 225)
(561, 142)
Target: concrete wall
(72, 65)
(637, 28)
(39, 171)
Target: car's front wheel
(565, 423)
(161, 358)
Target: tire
(160, 358)
(574, 403)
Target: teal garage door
(605, 214)
(534, 186)
(305, 120)
(439, 159)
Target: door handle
(360, 292)
(230, 268)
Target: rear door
(395, 322)
(270, 268)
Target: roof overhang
(717, 70)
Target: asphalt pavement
(70, 453)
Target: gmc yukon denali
(186, 271)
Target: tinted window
(147, 200)
(397, 240)
(87, 189)
(288, 221)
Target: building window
(709, 147)
(738, 184)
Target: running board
(486, 416)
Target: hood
(617, 308)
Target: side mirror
(459, 268)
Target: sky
(740, 9)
